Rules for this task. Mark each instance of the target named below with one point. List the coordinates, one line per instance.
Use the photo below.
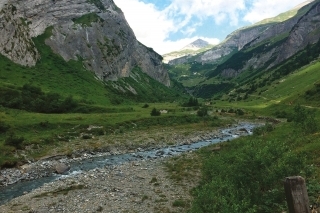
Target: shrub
(14, 141)
(231, 111)
(281, 114)
(191, 103)
(305, 119)
(179, 203)
(263, 129)
(155, 112)
(86, 137)
(202, 112)
(248, 177)
(239, 112)
(145, 106)
(4, 127)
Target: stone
(61, 168)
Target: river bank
(121, 144)
(47, 166)
(141, 187)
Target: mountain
(93, 32)
(256, 55)
(196, 45)
(188, 51)
(263, 30)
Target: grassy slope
(53, 74)
(247, 174)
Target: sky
(169, 25)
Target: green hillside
(56, 101)
(53, 74)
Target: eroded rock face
(94, 30)
(295, 34)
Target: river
(15, 190)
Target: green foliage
(14, 141)
(87, 19)
(281, 114)
(305, 119)
(202, 112)
(313, 94)
(239, 112)
(263, 129)
(145, 106)
(247, 177)
(31, 98)
(4, 127)
(191, 103)
(179, 203)
(155, 112)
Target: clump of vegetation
(32, 98)
(179, 203)
(155, 112)
(305, 119)
(202, 112)
(247, 176)
(263, 129)
(145, 106)
(193, 102)
(4, 127)
(16, 142)
(87, 19)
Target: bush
(231, 111)
(305, 119)
(191, 103)
(202, 112)
(14, 141)
(155, 112)
(263, 129)
(248, 177)
(281, 114)
(145, 106)
(4, 127)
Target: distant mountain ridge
(264, 29)
(253, 56)
(196, 45)
(189, 50)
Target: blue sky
(169, 25)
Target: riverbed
(102, 166)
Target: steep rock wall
(94, 31)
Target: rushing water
(9, 192)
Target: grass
(87, 19)
(251, 169)
(60, 191)
(51, 134)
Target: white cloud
(150, 26)
(262, 9)
(153, 27)
(220, 10)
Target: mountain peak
(196, 45)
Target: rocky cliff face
(94, 31)
(252, 36)
(300, 31)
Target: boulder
(61, 168)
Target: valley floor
(142, 186)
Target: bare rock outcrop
(93, 31)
